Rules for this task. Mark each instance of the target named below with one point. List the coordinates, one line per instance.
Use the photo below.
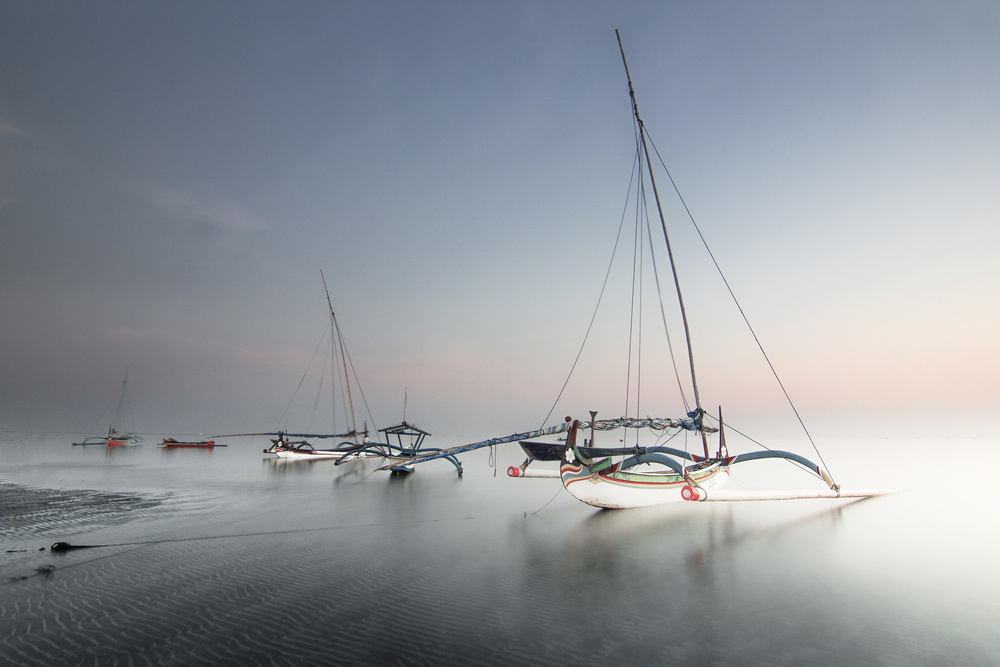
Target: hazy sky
(174, 176)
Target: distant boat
(404, 441)
(355, 444)
(408, 445)
(179, 444)
(114, 438)
(303, 450)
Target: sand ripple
(42, 512)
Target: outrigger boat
(408, 445)
(654, 474)
(303, 450)
(355, 444)
(113, 438)
(181, 444)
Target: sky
(175, 176)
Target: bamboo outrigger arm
(693, 423)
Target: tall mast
(121, 404)
(663, 224)
(343, 359)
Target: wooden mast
(666, 237)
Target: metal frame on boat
(402, 455)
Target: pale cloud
(8, 129)
(208, 209)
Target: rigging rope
(319, 392)
(635, 328)
(738, 306)
(107, 409)
(308, 366)
(364, 400)
(335, 336)
(663, 317)
(604, 285)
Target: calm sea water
(229, 557)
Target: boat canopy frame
(401, 456)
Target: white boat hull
(623, 490)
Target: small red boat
(112, 439)
(205, 444)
